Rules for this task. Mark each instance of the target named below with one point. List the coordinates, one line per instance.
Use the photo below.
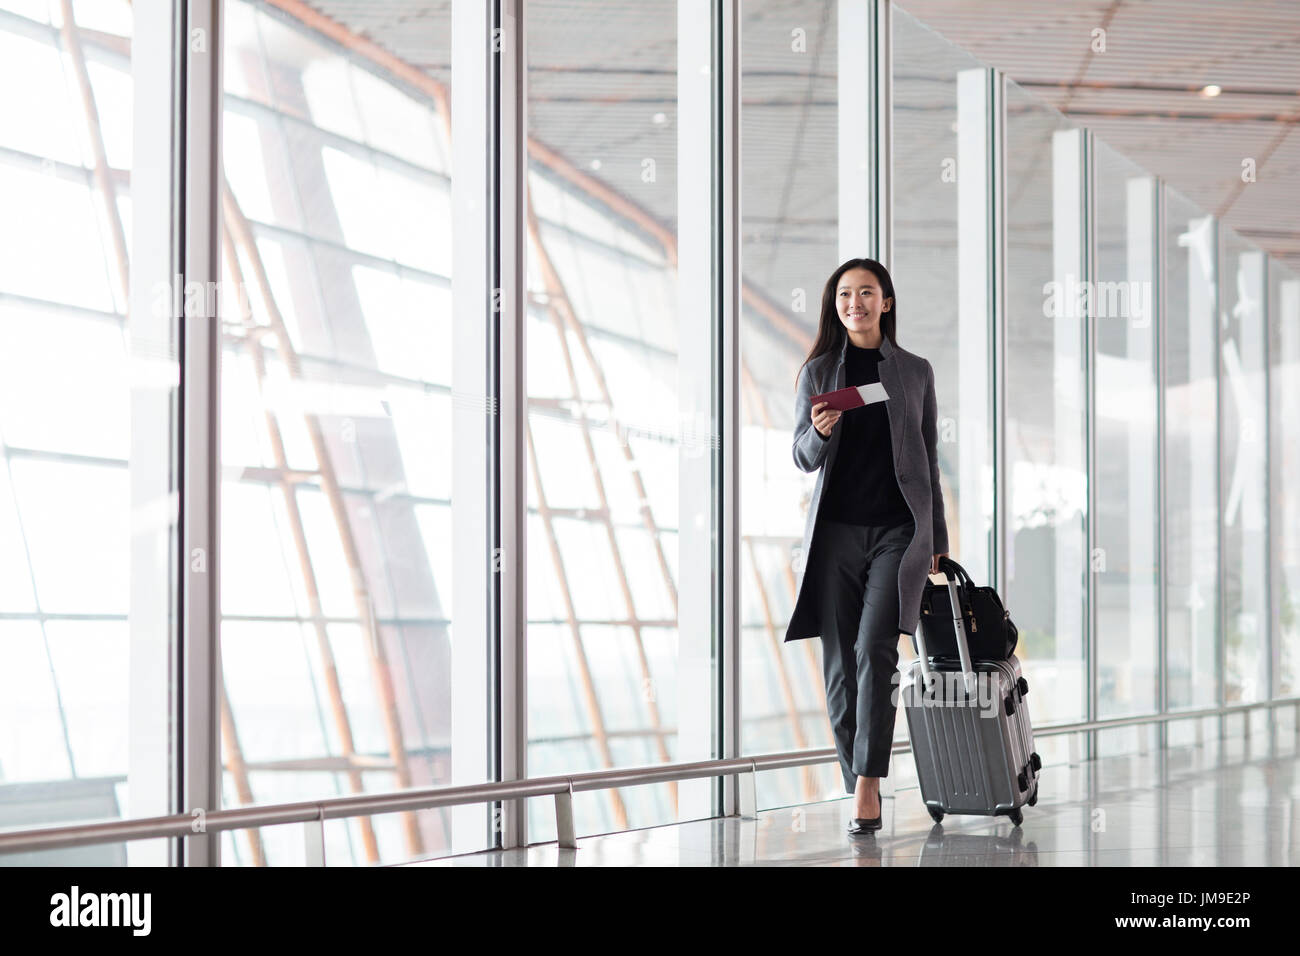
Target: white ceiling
(1142, 94)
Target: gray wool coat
(909, 382)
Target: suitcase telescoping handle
(959, 631)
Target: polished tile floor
(1231, 802)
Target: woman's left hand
(934, 562)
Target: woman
(877, 514)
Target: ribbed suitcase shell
(969, 760)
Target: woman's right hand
(824, 418)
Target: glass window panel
(16, 593)
(563, 711)
(32, 9)
(345, 362)
(1127, 519)
(259, 573)
(1045, 444)
(397, 124)
(43, 122)
(75, 520)
(327, 86)
(57, 255)
(559, 446)
(256, 164)
(87, 514)
(1191, 456)
(111, 83)
(271, 681)
(43, 385)
(545, 596)
(640, 559)
(351, 658)
(328, 562)
(1243, 483)
(605, 385)
(595, 583)
(110, 16)
(930, 271)
(33, 745)
(790, 197)
(435, 529)
(1284, 464)
(91, 659)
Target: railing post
(749, 792)
(564, 835)
(315, 838)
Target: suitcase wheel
(1023, 685)
(1016, 816)
(936, 813)
(1036, 760)
(1010, 707)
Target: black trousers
(858, 596)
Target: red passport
(855, 396)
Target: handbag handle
(962, 574)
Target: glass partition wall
(1283, 528)
(621, 367)
(337, 381)
(1123, 561)
(1191, 440)
(88, 433)
(1243, 480)
(1044, 426)
(795, 220)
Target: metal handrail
(562, 788)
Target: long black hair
(830, 330)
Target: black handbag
(990, 633)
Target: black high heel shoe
(859, 825)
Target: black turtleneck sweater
(863, 486)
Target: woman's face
(858, 300)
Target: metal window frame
(1269, 635)
(998, 311)
(154, 468)
(1220, 589)
(197, 172)
(735, 794)
(507, 363)
(478, 585)
(1088, 271)
(882, 154)
(1160, 304)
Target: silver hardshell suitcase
(970, 729)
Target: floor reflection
(1222, 803)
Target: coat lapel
(893, 382)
